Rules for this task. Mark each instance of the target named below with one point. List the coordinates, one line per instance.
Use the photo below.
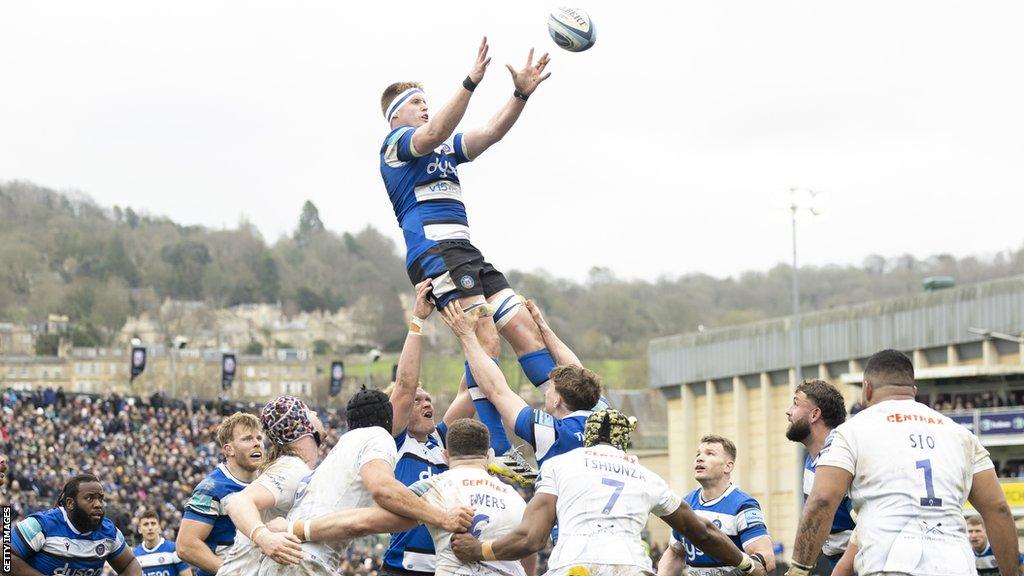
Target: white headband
(399, 102)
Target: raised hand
(530, 76)
(462, 324)
(423, 306)
(480, 66)
(538, 317)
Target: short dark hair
(827, 398)
(467, 437)
(889, 368)
(149, 514)
(579, 387)
(70, 490)
(727, 444)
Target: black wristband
(468, 84)
(520, 95)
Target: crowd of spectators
(150, 453)
(969, 401)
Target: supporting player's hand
(466, 547)
(280, 547)
(538, 318)
(480, 66)
(278, 525)
(458, 519)
(527, 79)
(423, 306)
(462, 324)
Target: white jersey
(498, 508)
(912, 471)
(282, 480)
(335, 485)
(604, 499)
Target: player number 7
(618, 485)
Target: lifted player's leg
(517, 326)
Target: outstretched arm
(526, 81)
(988, 499)
(346, 524)
(244, 510)
(486, 373)
(461, 406)
(831, 483)
(563, 355)
(443, 123)
(392, 495)
(407, 378)
(706, 536)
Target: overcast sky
(667, 148)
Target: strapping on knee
(506, 305)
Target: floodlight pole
(797, 343)
(798, 375)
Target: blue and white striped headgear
(400, 101)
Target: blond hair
(226, 430)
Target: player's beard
(247, 464)
(798, 430)
(83, 521)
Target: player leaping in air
(419, 162)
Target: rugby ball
(572, 29)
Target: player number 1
(930, 500)
(618, 485)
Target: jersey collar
(153, 549)
(583, 413)
(700, 496)
(224, 469)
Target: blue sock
(488, 415)
(537, 365)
